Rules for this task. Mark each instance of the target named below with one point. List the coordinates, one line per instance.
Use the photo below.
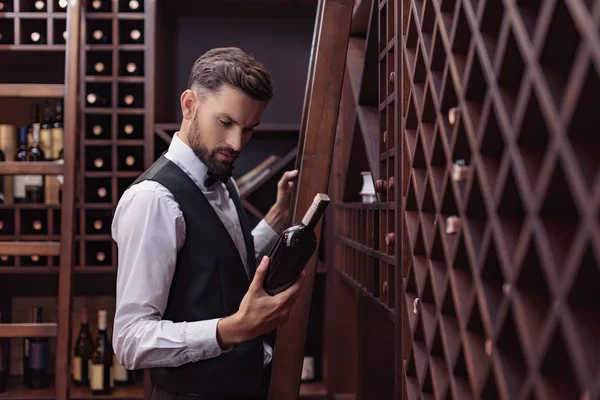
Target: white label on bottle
(121, 373)
(77, 368)
(19, 186)
(97, 377)
(34, 180)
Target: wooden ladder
(69, 90)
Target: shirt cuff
(264, 237)
(201, 339)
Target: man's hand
(259, 312)
(278, 215)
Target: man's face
(222, 125)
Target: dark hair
(233, 67)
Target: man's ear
(188, 104)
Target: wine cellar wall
(496, 215)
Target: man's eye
(224, 123)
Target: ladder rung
(29, 248)
(32, 90)
(31, 168)
(28, 330)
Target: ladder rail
(71, 121)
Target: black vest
(209, 282)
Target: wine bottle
(99, 36)
(97, 100)
(62, 5)
(35, 115)
(38, 5)
(46, 132)
(84, 350)
(6, 6)
(38, 356)
(134, 5)
(100, 6)
(135, 35)
(293, 248)
(19, 180)
(101, 367)
(34, 184)
(36, 37)
(3, 365)
(57, 131)
(122, 374)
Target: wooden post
(315, 153)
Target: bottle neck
(315, 211)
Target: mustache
(226, 150)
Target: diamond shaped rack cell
(559, 51)
(560, 218)
(583, 132)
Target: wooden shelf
(29, 248)
(31, 168)
(26, 330)
(32, 90)
(18, 391)
(32, 47)
(309, 390)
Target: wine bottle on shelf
(19, 180)
(62, 5)
(36, 37)
(35, 115)
(34, 184)
(38, 5)
(293, 248)
(97, 100)
(38, 356)
(99, 36)
(135, 35)
(6, 6)
(3, 365)
(57, 131)
(46, 132)
(84, 350)
(121, 374)
(101, 367)
(100, 6)
(133, 5)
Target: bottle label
(121, 373)
(19, 186)
(39, 355)
(97, 376)
(77, 364)
(57, 143)
(46, 141)
(33, 180)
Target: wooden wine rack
(499, 307)
(117, 137)
(497, 213)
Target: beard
(221, 168)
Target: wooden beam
(28, 330)
(30, 248)
(315, 156)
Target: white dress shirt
(149, 229)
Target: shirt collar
(183, 155)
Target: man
(190, 303)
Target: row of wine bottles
(93, 364)
(61, 5)
(40, 141)
(99, 31)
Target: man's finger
(259, 276)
